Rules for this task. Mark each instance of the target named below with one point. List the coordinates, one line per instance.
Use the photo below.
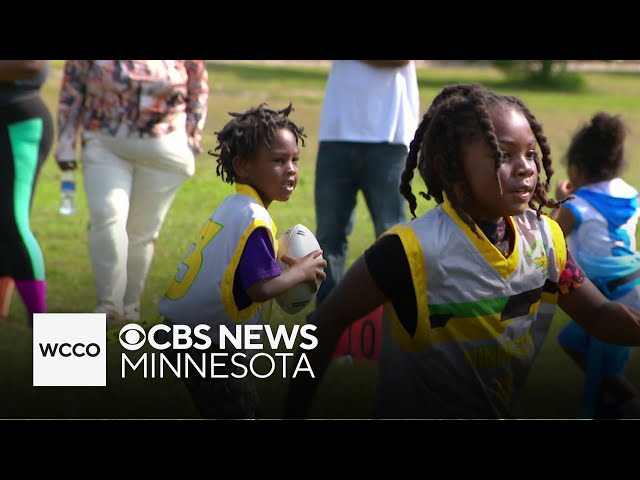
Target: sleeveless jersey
(202, 290)
(481, 317)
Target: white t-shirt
(363, 103)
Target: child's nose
(525, 167)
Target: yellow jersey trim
(560, 249)
(413, 252)
(504, 266)
(226, 288)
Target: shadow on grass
(259, 73)
(569, 82)
(560, 84)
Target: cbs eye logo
(132, 337)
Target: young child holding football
(229, 271)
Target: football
(296, 242)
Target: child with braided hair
(230, 271)
(600, 225)
(465, 285)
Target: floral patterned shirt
(126, 98)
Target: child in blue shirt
(600, 225)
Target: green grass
(554, 386)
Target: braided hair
(458, 115)
(242, 136)
(597, 148)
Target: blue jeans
(342, 169)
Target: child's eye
(532, 155)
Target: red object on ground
(363, 339)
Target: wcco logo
(77, 350)
(69, 349)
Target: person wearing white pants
(141, 126)
(130, 185)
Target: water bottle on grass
(68, 192)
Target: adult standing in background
(26, 136)
(369, 116)
(141, 123)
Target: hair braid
(480, 114)
(411, 163)
(459, 115)
(243, 135)
(416, 155)
(489, 131)
(540, 193)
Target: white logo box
(69, 349)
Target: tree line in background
(543, 73)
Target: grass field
(554, 386)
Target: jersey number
(190, 266)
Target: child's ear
(240, 166)
(574, 172)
